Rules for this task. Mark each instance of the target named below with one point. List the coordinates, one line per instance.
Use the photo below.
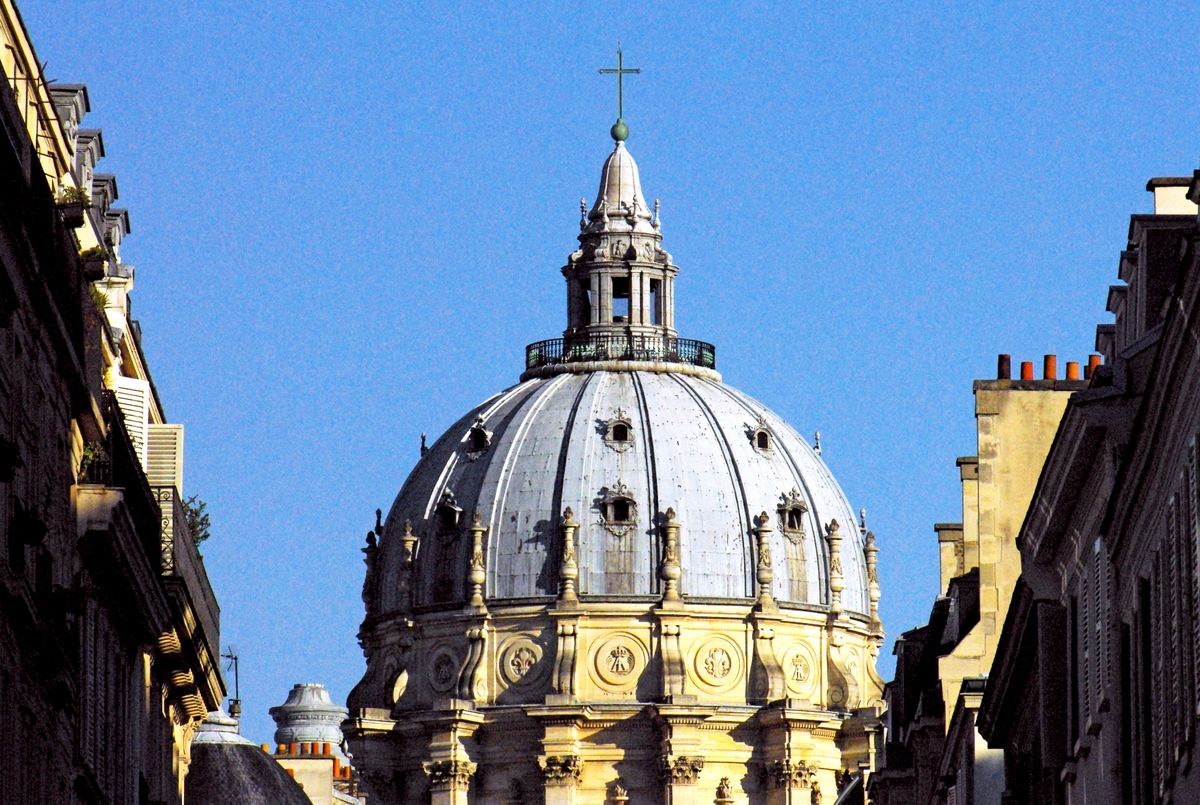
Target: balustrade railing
(620, 347)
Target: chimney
(1050, 367)
(1004, 367)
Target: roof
(239, 774)
(522, 457)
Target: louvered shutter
(134, 398)
(164, 456)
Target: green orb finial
(619, 131)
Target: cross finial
(619, 130)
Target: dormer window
(478, 439)
(617, 431)
(618, 510)
(447, 513)
(792, 509)
(761, 436)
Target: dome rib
(820, 555)
(746, 517)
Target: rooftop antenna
(235, 704)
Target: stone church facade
(620, 579)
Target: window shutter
(134, 398)
(164, 456)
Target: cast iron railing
(668, 349)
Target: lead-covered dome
(620, 449)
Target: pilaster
(680, 759)
(790, 768)
(450, 768)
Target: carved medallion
(519, 661)
(798, 665)
(443, 669)
(619, 661)
(718, 663)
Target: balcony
(183, 567)
(627, 347)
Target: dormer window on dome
(618, 431)
(792, 509)
(761, 436)
(447, 514)
(618, 510)
(478, 439)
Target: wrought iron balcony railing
(616, 347)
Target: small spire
(424, 449)
(583, 222)
(817, 442)
(862, 520)
(655, 220)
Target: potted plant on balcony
(71, 203)
(93, 262)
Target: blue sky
(348, 220)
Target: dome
(309, 715)
(618, 575)
(620, 449)
(226, 769)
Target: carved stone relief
(718, 663)
(618, 662)
(520, 661)
(443, 665)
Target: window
(656, 302)
(585, 300)
(617, 431)
(478, 439)
(447, 513)
(618, 510)
(793, 521)
(761, 436)
(620, 291)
